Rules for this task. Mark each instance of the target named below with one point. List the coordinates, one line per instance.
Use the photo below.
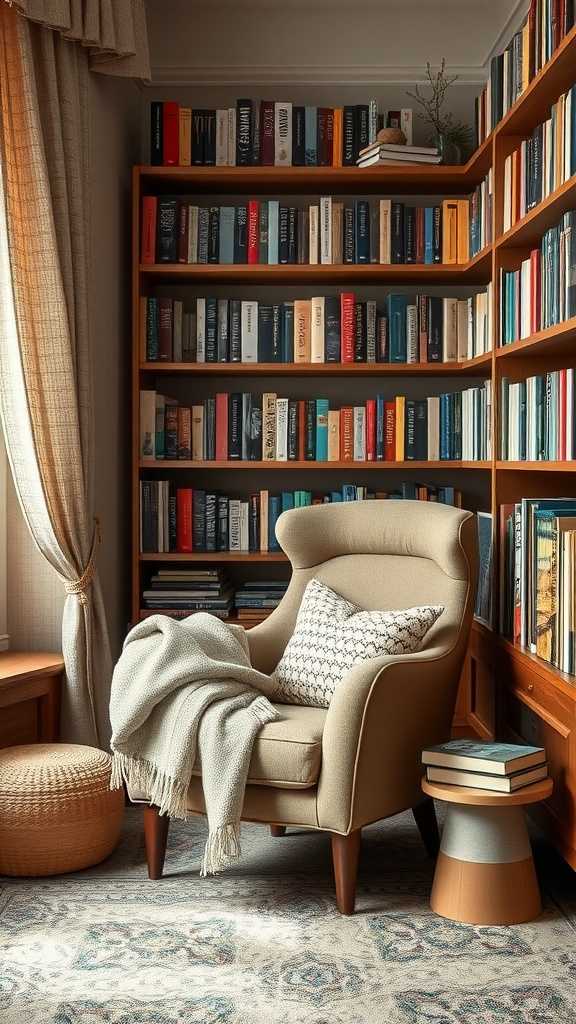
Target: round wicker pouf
(57, 812)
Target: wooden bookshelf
(507, 690)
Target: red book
(390, 431)
(370, 429)
(562, 413)
(347, 326)
(347, 434)
(165, 326)
(184, 519)
(267, 133)
(221, 427)
(148, 240)
(171, 133)
(253, 231)
(183, 231)
(301, 429)
(184, 432)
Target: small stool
(57, 812)
(485, 871)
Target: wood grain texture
(489, 894)
(345, 856)
(485, 797)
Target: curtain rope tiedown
(79, 586)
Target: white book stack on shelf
(389, 153)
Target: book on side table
(502, 767)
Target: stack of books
(390, 153)
(189, 590)
(255, 597)
(502, 767)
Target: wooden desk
(30, 684)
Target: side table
(30, 685)
(485, 871)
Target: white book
(281, 430)
(283, 134)
(500, 784)
(507, 222)
(192, 255)
(412, 339)
(200, 330)
(570, 453)
(317, 329)
(567, 135)
(463, 321)
(449, 330)
(263, 520)
(371, 331)
(359, 433)
(234, 524)
(326, 229)
(221, 138)
(231, 136)
(249, 331)
(433, 428)
(385, 234)
(244, 534)
(523, 153)
(177, 313)
(406, 124)
(372, 121)
(147, 424)
(525, 299)
(313, 218)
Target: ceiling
(350, 41)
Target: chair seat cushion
(287, 753)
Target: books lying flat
(398, 158)
(491, 758)
(497, 783)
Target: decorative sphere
(391, 136)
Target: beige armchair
(339, 769)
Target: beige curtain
(45, 380)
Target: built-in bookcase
(505, 689)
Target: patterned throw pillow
(332, 634)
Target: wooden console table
(30, 685)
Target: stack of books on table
(254, 598)
(389, 153)
(189, 590)
(502, 767)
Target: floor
(263, 941)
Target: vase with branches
(452, 137)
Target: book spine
(184, 541)
(171, 134)
(253, 232)
(347, 320)
(362, 230)
(243, 133)
(283, 134)
(298, 137)
(156, 145)
(267, 133)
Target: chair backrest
(380, 555)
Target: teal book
(397, 307)
(322, 406)
(429, 234)
(226, 235)
(287, 500)
(311, 136)
(273, 215)
(491, 758)
(274, 510)
(287, 331)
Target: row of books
(537, 416)
(547, 23)
(481, 214)
(501, 767)
(542, 162)
(257, 232)
(185, 520)
(267, 134)
(210, 590)
(323, 329)
(542, 292)
(254, 427)
(538, 578)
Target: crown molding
(300, 74)
(513, 23)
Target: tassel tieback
(79, 586)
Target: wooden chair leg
(155, 837)
(345, 856)
(277, 830)
(425, 818)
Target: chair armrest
(381, 716)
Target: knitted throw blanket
(181, 689)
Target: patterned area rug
(263, 943)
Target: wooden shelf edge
(562, 680)
(537, 467)
(320, 369)
(540, 342)
(311, 465)
(214, 556)
(540, 218)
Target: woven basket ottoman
(57, 812)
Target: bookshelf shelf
(558, 679)
(529, 230)
(350, 466)
(216, 556)
(478, 366)
(476, 271)
(559, 340)
(537, 467)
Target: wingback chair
(338, 769)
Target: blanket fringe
(167, 793)
(222, 847)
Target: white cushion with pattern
(332, 634)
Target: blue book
(274, 510)
(287, 500)
(335, 496)
(397, 306)
(226, 235)
(311, 136)
(348, 492)
(322, 406)
(444, 426)
(380, 425)
(273, 216)
(429, 234)
(306, 497)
